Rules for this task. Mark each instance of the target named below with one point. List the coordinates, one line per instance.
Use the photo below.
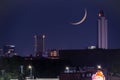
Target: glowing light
(53, 53)
(99, 66)
(43, 36)
(92, 47)
(67, 68)
(99, 15)
(30, 67)
(98, 76)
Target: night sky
(20, 20)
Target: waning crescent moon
(82, 20)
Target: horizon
(21, 20)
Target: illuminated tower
(102, 30)
(39, 44)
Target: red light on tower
(43, 36)
(101, 13)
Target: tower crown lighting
(101, 13)
(43, 36)
(102, 31)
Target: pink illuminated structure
(102, 31)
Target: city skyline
(21, 20)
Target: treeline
(10, 67)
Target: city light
(30, 67)
(98, 76)
(99, 66)
(67, 68)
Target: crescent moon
(82, 20)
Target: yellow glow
(98, 76)
(53, 53)
(99, 66)
(99, 73)
(30, 67)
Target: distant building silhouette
(102, 31)
(1, 52)
(39, 44)
(8, 50)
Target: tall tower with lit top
(102, 31)
(39, 44)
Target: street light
(30, 68)
(67, 69)
(99, 66)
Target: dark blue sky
(20, 20)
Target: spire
(101, 13)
